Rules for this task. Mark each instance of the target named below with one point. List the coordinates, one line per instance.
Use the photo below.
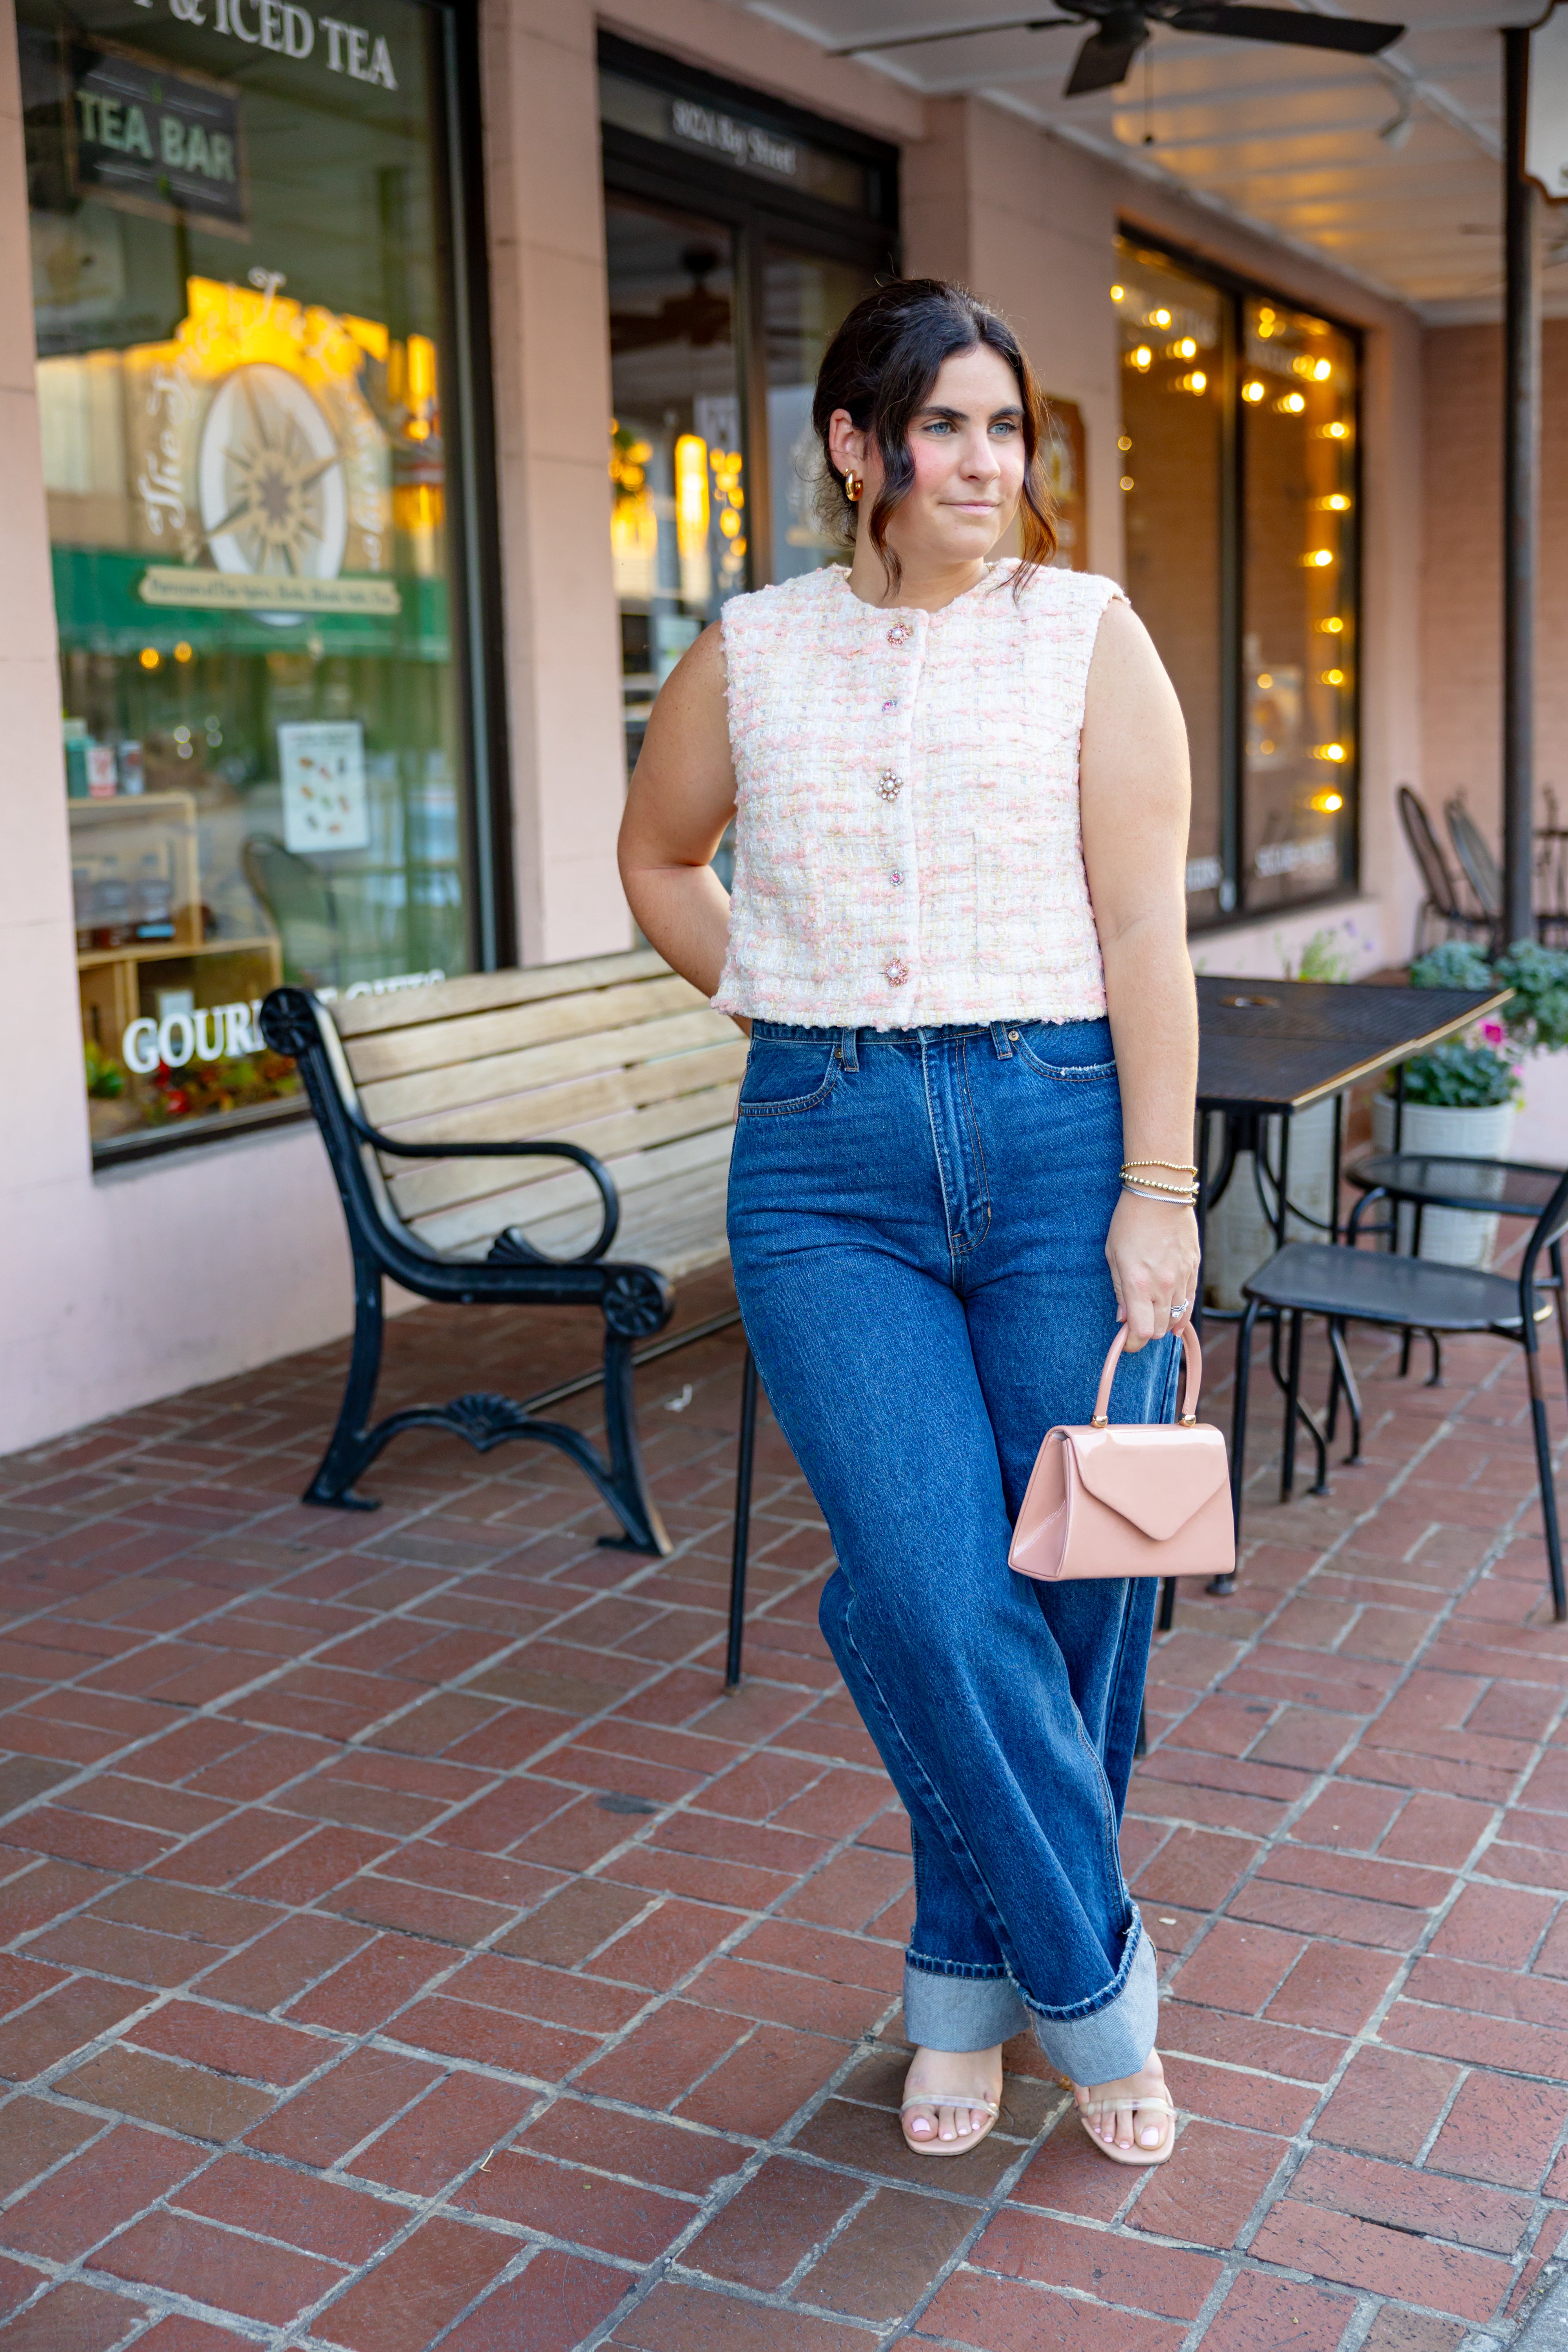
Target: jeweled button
(900, 633)
(898, 971)
(888, 786)
(886, 707)
(897, 880)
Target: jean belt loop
(847, 1050)
(999, 1039)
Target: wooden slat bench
(442, 1109)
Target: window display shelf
(178, 950)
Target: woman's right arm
(682, 796)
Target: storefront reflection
(240, 393)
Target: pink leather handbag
(1138, 1499)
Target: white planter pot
(1541, 1130)
(1237, 1236)
(1449, 1236)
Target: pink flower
(1493, 1031)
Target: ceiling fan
(1123, 26)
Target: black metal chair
(1551, 886)
(302, 908)
(1442, 899)
(1346, 1285)
(1425, 1179)
(1479, 865)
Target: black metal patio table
(1269, 1049)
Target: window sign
(723, 134)
(166, 145)
(240, 261)
(324, 801)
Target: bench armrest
(511, 1244)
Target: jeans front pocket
(1072, 1052)
(788, 1075)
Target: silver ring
(1179, 1308)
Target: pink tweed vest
(908, 850)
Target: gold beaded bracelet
(1176, 1167)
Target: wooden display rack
(216, 972)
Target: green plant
(1324, 957)
(1458, 1077)
(1537, 1019)
(105, 1078)
(1456, 964)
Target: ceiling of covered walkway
(1390, 167)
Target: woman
(957, 939)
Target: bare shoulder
(1123, 646)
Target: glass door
(805, 296)
(739, 233)
(678, 472)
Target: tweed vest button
(900, 633)
(898, 971)
(889, 786)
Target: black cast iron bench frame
(634, 1301)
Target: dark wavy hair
(881, 365)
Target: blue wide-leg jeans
(917, 1223)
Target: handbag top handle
(1192, 1378)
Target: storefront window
(1238, 446)
(239, 268)
(739, 235)
(1174, 332)
(1298, 395)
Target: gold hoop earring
(853, 486)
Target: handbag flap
(1152, 1475)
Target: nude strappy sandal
(966, 2140)
(1093, 2111)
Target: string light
(1252, 391)
(149, 656)
(1143, 358)
(1159, 318)
(1119, 293)
(1335, 752)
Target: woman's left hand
(1152, 1251)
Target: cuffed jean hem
(951, 2013)
(965, 2012)
(1114, 2040)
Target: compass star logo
(269, 478)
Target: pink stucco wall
(1462, 583)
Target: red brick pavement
(404, 1941)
